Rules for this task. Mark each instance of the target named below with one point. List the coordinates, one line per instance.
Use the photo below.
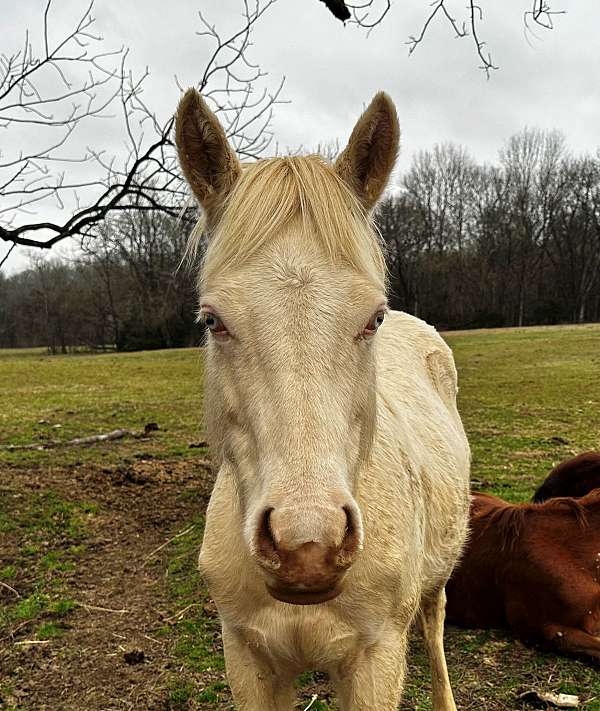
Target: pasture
(101, 605)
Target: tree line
(511, 244)
(467, 244)
(124, 291)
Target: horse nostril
(265, 543)
(351, 542)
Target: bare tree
(370, 13)
(135, 258)
(400, 223)
(440, 183)
(531, 161)
(48, 92)
(440, 186)
(492, 244)
(574, 243)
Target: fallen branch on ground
(91, 439)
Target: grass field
(62, 397)
(87, 578)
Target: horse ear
(368, 159)
(208, 161)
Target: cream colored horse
(340, 504)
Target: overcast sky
(549, 80)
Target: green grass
(61, 608)
(8, 572)
(180, 694)
(45, 514)
(30, 607)
(50, 530)
(528, 398)
(50, 630)
(62, 397)
(213, 692)
(192, 631)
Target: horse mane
(303, 191)
(509, 519)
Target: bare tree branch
(146, 177)
(7, 255)
(361, 12)
(370, 13)
(541, 13)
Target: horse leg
(572, 640)
(432, 614)
(373, 679)
(254, 683)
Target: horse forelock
(300, 192)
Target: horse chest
(306, 638)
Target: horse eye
(375, 322)
(213, 323)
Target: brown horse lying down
(575, 477)
(534, 568)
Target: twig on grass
(178, 615)
(14, 630)
(151, 639)
(8, 587)
(166, 543)
(100, 609)
(32, 641)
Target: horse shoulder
(424, 352)
(422, 446)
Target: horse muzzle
(307, 572)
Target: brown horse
(574, 477)
(341, 500)
(534, 568)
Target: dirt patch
(110, 655)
